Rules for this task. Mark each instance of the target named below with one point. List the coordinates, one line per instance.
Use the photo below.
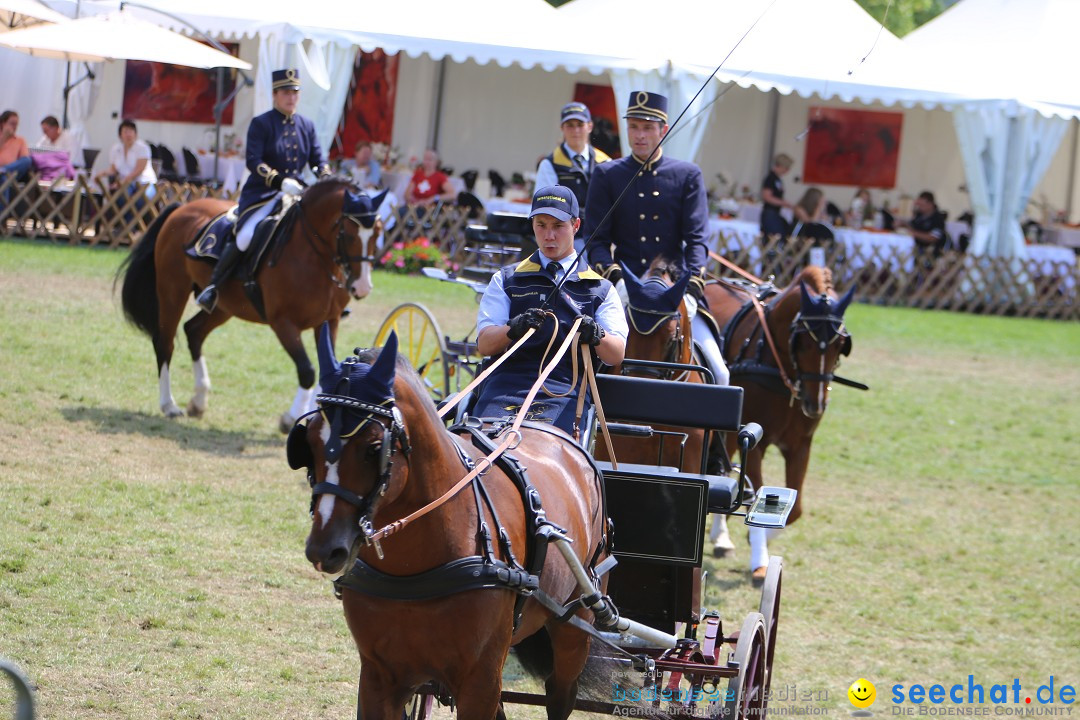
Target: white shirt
(124, 162)
(65, 142)
(495, 305)
(545, 171)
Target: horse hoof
(194, 410)
(172, 411)
(757, 577)
(285, 423)
(722, 551)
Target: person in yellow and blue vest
(512, 304)
(665, 212)
(280, 143)
(571, 164)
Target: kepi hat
(288, 79)
(644, 105)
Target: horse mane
(404, 372)
(664, 265)
(327, 185)
(817, 279)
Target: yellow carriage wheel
(420, 340)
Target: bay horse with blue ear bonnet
(452, 579)
(322, 254)
(783, 349)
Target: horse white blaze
(362, 286)
(325, 507)
(823, 387)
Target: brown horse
(659, 331)
(786, 392)
(327, 254)
(376, 452)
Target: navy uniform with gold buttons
(665, 211)
(280, 144)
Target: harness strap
(445, 409)
(758, 308)
(467, 573)
(732, 266)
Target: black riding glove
(531, 318)
(589, 332)
(611, 273)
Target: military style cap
(286, 79)
(645, 105)
(575, 111)
(557, 201)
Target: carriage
(663, 652)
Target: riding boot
(207, 299)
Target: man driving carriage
(280, 142)
(516, 299)
(664, 213)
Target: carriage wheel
(421, 340)
(745, 699)
(770, 611)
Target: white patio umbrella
(15, 14)
(116, 36)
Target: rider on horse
(514, 302)
(279, 144)
(665, 213)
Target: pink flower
(423, 242)
(399, 263)
(385, 258)
(399, 245)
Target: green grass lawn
(155, 569)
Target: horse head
(348, 448)
(659, 327)
(362, 210)
(345, 227)
(817, 340)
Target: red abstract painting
(159, 91)
(601, 103)
(852, 147)
(369, 106)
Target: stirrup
(207, 299)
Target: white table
(1054, 261)
(231, 170)
(1063, 236)
(498, 204)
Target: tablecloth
(231, 170)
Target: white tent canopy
(16, 14)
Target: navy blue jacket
(277, 147)
(664, 212)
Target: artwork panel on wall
(852, 147)
(600, 99)
(175, 93)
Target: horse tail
(138, 294)
(536, 655)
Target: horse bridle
(394, 436)
(674, 349)
(830, 328)
(341, 258)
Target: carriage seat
(639, 494)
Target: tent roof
(23, 13)
(1012, 50)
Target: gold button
(642, 238)
(642, 216)
(656, 193)
(654, 172)
(640, 173)
(655, 217)
(641, 194)
(658, 239)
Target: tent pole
(1070, 184)
(436, 118)
(772, 120)
(67, 75)
(219, 110)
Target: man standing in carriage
(665, 213)
(571, 164)
(516, 299)
(280, 143)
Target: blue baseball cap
(557, 201)
(575, 111)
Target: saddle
(271, 232)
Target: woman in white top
(129, 162)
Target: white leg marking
(325, 507)
(303, 401)
(759, 548)
(719, 534)
(823, 387)
(202, 385)
(165, 396)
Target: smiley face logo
(862, 693)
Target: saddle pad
(211, 239)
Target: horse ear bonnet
(297, 450)
(650, 299)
